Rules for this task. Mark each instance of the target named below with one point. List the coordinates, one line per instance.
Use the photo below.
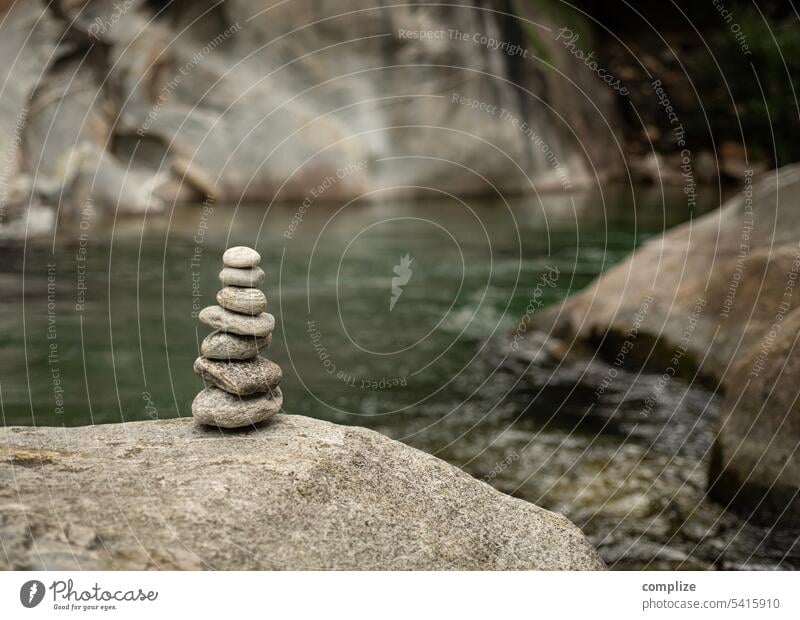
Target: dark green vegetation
(729, 66)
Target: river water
(98, 326)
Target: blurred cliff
(134, 105)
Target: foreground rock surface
(296, 493)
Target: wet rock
(293, 493)
(232, 322)
(756, 457)
(244, 300)
(221, 345)
(240, 377)
(241, 256)
(232, 276)
(215, 407)
(703, 299)
(729, 268)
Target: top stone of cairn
(241, 257)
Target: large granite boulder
(756, 461)
(732, 265)
(703, 299)
(296, 493)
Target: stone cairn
(243, 386)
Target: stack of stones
(243, 386)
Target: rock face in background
(295, 494)
(136, 105)
(732, 264)
(716, 294)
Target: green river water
(98, 326)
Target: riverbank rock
(732, 263)
(695, 302)
(756, 461)
(295, 493)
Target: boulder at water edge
(720, 288)
(295, 493)
(756, 461)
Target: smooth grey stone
(241, 256)
(244, 300)
(241, 377)
(220, 345)
(233, 276)
(303, 477)
(235, 323)
(216, 407)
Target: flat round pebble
(216, 407)
(220, 345)
(244, 300)
(232, 322)
(241, 256)
(234, 276)
(242, 377)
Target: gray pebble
(241, 256)
(245, 300)
(242, 377)
(220, 345)
(235, 323)
(216, 407)
(250, 277)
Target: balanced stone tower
(243, 386)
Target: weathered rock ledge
(295, 493)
